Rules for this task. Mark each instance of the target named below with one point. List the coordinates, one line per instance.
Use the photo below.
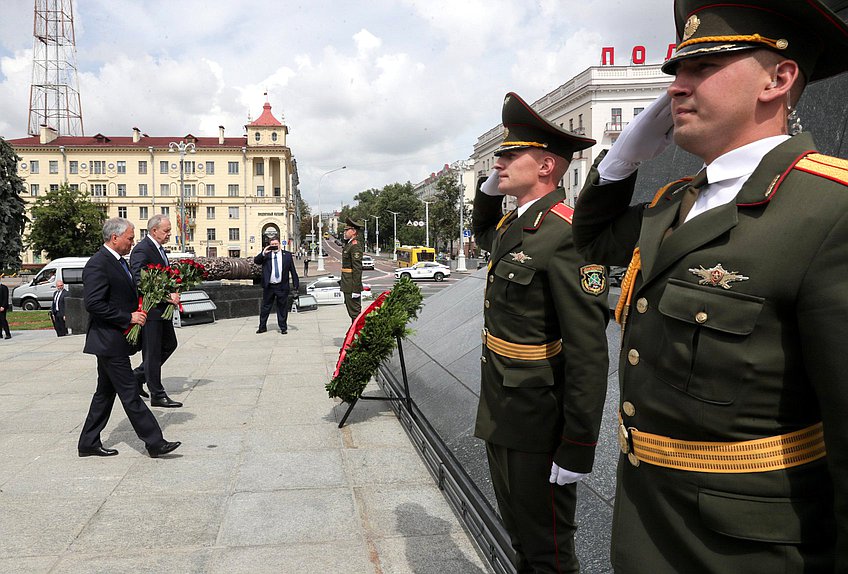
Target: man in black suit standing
(57, 310)
(4, 306)
(277, 265)
(158, 339)
(111, 299)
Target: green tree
(444, 213)
(12, 209)
(397, 197)
(305, 219)
(65, 224)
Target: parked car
(326, 290)
(367, 262)
(424, 270)
(38, 293)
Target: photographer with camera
(277, 264)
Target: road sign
(283, 242)
(466, 233)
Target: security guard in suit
(733, 431)
(351, 283)
(544, 357)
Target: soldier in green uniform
(351, 282)
(733, 371)
(544, 357)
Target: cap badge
(593, 279)
(520, 257)
(782, 44)
(691, 27)
(717, 276)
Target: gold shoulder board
(832, 168)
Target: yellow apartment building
(237, 191)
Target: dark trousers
(4, 324)
(114, 377)
(538, 515)
(353, 306)
(59, 324)
(158, 343)
(280, 293)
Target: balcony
(190, 200)
(614, 127)
(268, 200)
(581, 131)
(99, 199)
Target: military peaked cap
(353, 223)
(805, 31)
(524, 128)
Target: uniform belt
(519, 351)
(760, 455)
(346, 270)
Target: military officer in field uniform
(351, 282)
(734, 371)
(544, 356)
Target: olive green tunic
(351, 281)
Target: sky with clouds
(393, 89)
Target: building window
(163, 166)
(234, 233)
(165, 210)
(142, 190)
(637, 111)
(234, 212)
(232, 167)
(97, 166)
(54, 187)
(210, 189)
(33, 166)
(210, 234)
(33, 189)
(576, 180)
(210, 168)
(235, 252)
(188, 167)
(73, 167)
(142, 167)
(274, 136)
(98, 189)
(257, 136)
(122, 190)
(580, 121)
(232, 190)
(74, 187)
(260, 191)
(189, 234)
(142, 213)
(54, 166)
(142, 233)
(164, 189)
(122, 212)
(210, 213)
(122, 166)
(571, 124)
(260, 168)
(615, 119)
(189, 190)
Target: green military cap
(805, 31)
(524, 128)
(354, 224)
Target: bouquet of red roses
(190, 275)
(156, 283)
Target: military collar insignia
(593, 279)
(717, 276)
(520, 257)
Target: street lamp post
(427, 221)
(182, 148)
(320, 220)
(377, 249)
(460, 260)
(312, 247)
(394, 238)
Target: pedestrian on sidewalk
(306, 267)
(277, 265)
(4, 306)
(57, 310)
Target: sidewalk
(264, 481)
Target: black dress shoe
(163, 448)
(97, 451)
(261, 330)
(142, 393)
(165, 402)
(283, 331)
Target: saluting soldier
(351, 283)
(544, 357)
(733, 374)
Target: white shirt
(275, 271)
(113, 252)
(728, 173)
(519, 211)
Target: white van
(38, 293)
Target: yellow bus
(408, 255)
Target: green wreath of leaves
(376, 341)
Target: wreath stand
(405, 399)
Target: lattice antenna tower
(54, 98)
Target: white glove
(561, 476)
(644, 138)
(490, 186)
(355, 295)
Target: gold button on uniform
(633, 357)
(701, 317)
(491, 278)
(628, 408)
(486, 303)
(633, 460)
(642, 305)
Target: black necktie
(164, 255)
(276, 268)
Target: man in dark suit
(544, 360)
(111, 299)
(732, 432)
(57, 310)
(277, 265)
(158, 339)
(4, 306)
